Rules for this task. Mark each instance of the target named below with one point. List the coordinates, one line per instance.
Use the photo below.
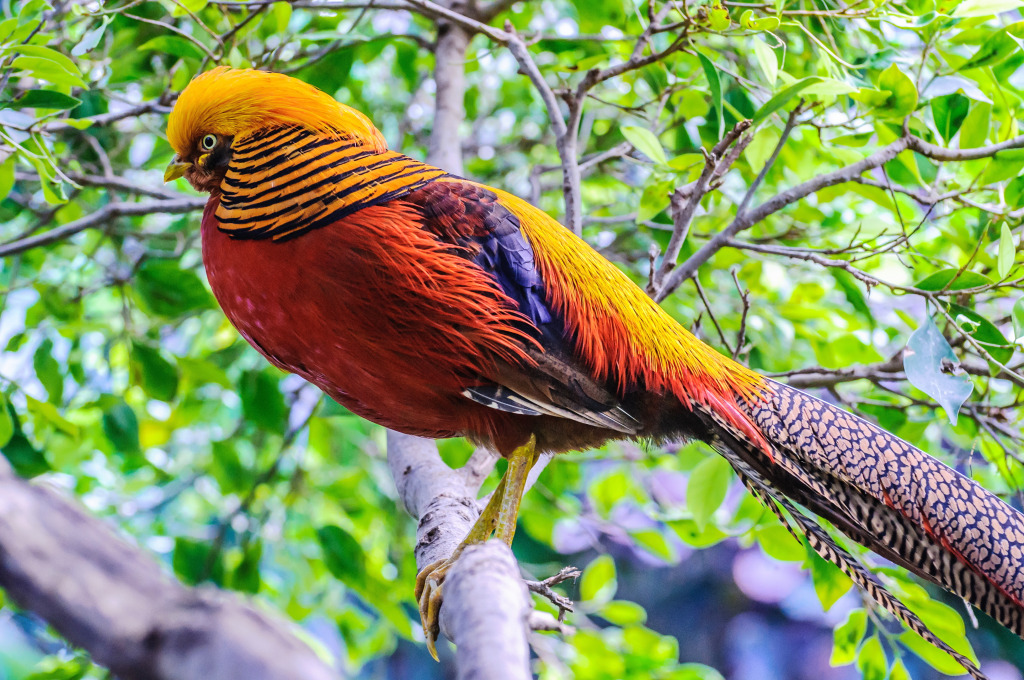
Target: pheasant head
(225, 105)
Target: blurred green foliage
(121, 382)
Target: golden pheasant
(440, 307)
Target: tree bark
(445, 148)
(113, 600)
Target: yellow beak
(176, 169)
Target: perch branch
(483, 592)
(110, 598)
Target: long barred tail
(887, 495)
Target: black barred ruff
(284, 182)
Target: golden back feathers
(238, 102)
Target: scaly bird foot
(428, 594)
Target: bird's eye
(208, 142)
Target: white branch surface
(113, 600)
(486, 603)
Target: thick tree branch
(450, 78)
(113, 600)
(483, 592)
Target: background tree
(812, 186)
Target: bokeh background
(122, 384)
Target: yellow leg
(519, 465)
(498, 518)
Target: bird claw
(428, 595)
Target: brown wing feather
(470, 219)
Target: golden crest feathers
(237, 102)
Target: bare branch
(160, 106)
(682, 213)
(110, 182)
(470, 24)
(450, 77)
(745, 220)
(100, 217)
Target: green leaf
(899, 671)
(280, 14)
(262, 401)
(6, 177)
(6, 421)
(985, 8)
(996, 49)
(194, 562)
(26, 459)
(715, 85)
(902, 98)
(655, 198)
(949, 113)
(829, 87)
(173, 45)
(42, 99)
(984, 332)
(157, 376)
(48, 64)
(169, 291)
(871, 660)
(1018, 319)
(847, 636)
(777, 542)
(853, 292)
(48, 70)
(1007, 251)
(767, 60)
(707, 487)
(183, 7)
(975, 128)
(747, 20)
(91, 38)
(246, 576)
(783, 97)
(227, 468)
(343, 556)
(48, 371)
(718, 18)
(925, 361)
(646, 142)
(598, 583)
(122, 428)
(1004, 165)
(607, 491)
(952, 279)
(654, 542)
(930, 654)
(623, 613)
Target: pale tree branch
(445, 150)
(108, 597)
(486, 604)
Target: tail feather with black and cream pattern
(885, 494)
